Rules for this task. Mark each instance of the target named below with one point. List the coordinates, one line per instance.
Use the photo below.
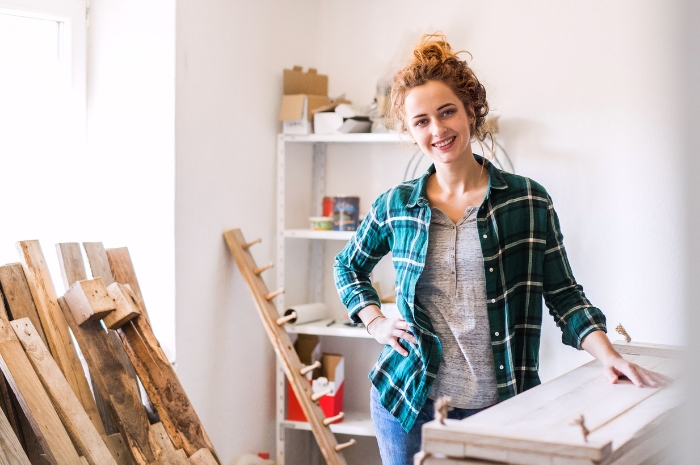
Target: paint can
(346, 213)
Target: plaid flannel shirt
(524, 260)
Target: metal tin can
(346, 213)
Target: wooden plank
(54, 324)
(123, 271)
(11, 452)
(71, 261)
(115, 444)
(116, 387)
(174, 458)
(89, 300)
(79, 426)
(72, 266)
(99, 264)
(642, 348)
(127, 307)
(202, 457)
(19, 297)
(162, 438)
(21, 305)
(5, 400)
(35, 402)
(283, 347)
(170, 400)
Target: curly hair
(434, 60)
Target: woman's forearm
(598, 345)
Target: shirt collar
(419, 196)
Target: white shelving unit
(354, 423)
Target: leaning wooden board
(626, 423)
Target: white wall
(588, 94)
(130, 145)
(230, 56)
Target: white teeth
(445, 142)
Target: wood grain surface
(163, 387)
(79, 426)
(54, 325)
(34, 400)
(118, 390)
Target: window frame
(73, 51)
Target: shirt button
(497, 333)
(485, 236)
(501, 367)
(491, 270)
(493, 301)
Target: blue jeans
(396, 446)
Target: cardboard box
(333, 377)
(303, 93)
(327, 122)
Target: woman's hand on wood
(616, 367)
(389, 330)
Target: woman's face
(438, 122)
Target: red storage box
(333, 369)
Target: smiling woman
(475, 250)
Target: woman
(475, 249)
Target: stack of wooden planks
(84, 380)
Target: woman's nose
(438, 128)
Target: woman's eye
(421, 122)
(448, 112)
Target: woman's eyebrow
(440, 108)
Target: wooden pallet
(47, 410)
(624, 424)
(293, 368)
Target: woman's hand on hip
(388, 331)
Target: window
(42, 119)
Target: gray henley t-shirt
(452, 291)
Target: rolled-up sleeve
(564, 297)
(355, 262)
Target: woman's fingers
(397, 347)
(647, 378)
(401, 334)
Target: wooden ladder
(293, 368)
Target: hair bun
(433, 48)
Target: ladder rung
(318, 395)
(309, 368)
(340, 447)
(263, 268)
(248, 245)
(283, 319)
(330, 420)
(272, 295)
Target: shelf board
(370, 137)
(355, 423)
(312, 234)
(321, 328)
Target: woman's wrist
(369, 314)
(372, 321)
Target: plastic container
(321, 223)
(263, 458)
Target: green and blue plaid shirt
(524, 260)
